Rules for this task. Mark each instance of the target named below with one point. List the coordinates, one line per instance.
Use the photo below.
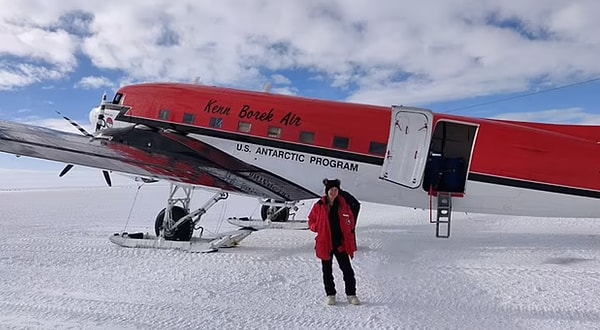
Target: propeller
(100, 124)
(75, 124)
(107, 178)
(65, 170)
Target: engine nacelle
(109, 118)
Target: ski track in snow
(59, 271)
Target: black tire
(184, 231)
(282, 216)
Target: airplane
(279, 148)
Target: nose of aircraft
(94, 115)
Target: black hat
(331, 183)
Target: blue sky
(442, 55)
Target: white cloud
(33, 49)
(285, 90)
(91, 82)
(23, 74)
(39, 43)
(392, 52)
(557, 116)
(59, 124)
(280, 79)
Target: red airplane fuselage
(493, 166)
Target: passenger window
(341, 142)
(307, 137)
(216, 122)
(377, 148)
(164, 114)
(274, 132)
(189, 118)
(244, 127)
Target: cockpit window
(117, 99)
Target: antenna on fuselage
(267, 88)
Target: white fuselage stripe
(362, 180)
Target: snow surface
(59, 271)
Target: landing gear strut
(176, 223)
(277, 211)
(182, 233)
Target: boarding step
(444, 214)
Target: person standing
(333, 221)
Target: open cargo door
(408, 146)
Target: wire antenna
(523, 95)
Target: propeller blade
(81, 129)
(100, 122)
(107, 178)
(65, 170)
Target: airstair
(431, 155)
(444, 214)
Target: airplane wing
(149, 153)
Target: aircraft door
(408, 145)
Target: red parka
(318, 221)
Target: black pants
(344, 262)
